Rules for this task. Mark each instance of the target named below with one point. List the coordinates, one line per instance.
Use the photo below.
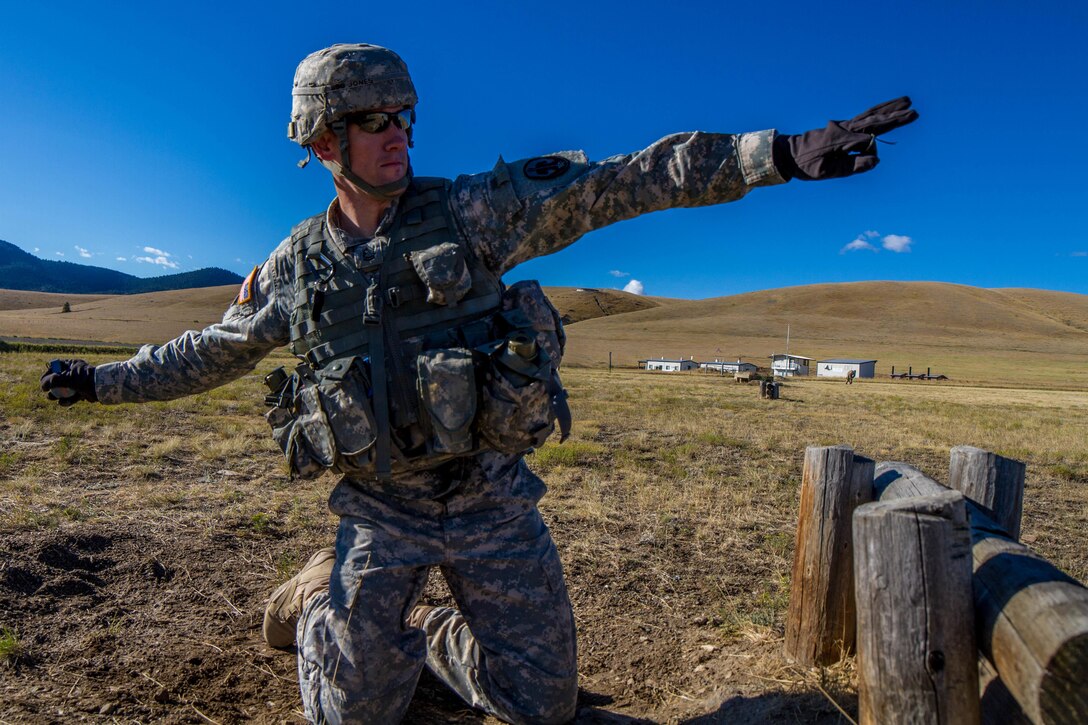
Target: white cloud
(37, 249)
(897, 243)
(83, 252)
(892, 242)
(856, 245)
(157, 252)
(634, 287)
(160, 260)
(59, 254)
(1078, 254)
(617, 273)
(238, 259)
(122, 259)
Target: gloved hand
(69, 381)
(844, 147)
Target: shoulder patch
(543, 168)
(245, 294)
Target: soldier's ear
(326, 147)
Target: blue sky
(130, 127)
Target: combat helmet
(340, 80)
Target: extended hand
(844, 147)
(69, 381)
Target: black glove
(844, 147)
(69, 381)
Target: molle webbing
(336, 287)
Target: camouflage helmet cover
(343, 79)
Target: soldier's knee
(552, 702)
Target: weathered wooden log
(917, 658)
(820, 626)
(1032, 618)
(997, 706)
(994, 482)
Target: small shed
(784, 365)
(669, 366)
(723, 367)
(841, 367)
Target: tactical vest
(413, 352)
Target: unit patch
(245, 294)
(543, 168)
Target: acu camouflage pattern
(517, 409)
(475, 516)
(509, 651)
(432, 385)
(344, 79)
(506, 218)
(447, 387)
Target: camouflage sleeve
(257, 322)
(529, 208)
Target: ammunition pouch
(323, 419)
(447, 391)
(522, 396)
(444, 273)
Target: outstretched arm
(533, 207)
(256, 323)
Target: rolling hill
(21, 270)
(1008, 336)
(586, 303)
(965, 332)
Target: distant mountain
(20, 270)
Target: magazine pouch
(447, 392)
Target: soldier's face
(379, 158)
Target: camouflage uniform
(474, 517)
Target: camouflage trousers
(510, 647)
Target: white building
(668, 366)
(723, 367)
(840, 367)
(789, 366)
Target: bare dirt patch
(130, 621)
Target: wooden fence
(952, 619)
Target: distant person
(850, 376)
(423, 380)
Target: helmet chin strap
(385, 191)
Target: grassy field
(673, 504)
(979, 337)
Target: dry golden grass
(23, 300)
(152, 317)
(1012, 337)
(975, 336)
(673, 504)
(586, 303)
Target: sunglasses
(378, 121)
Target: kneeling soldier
(423, 381)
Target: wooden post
(994, 482)
(916, 653)
(917, 660)
(820, 627)
(1032, 618)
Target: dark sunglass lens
(379, 121)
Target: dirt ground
(138, 543)
(141, 621)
